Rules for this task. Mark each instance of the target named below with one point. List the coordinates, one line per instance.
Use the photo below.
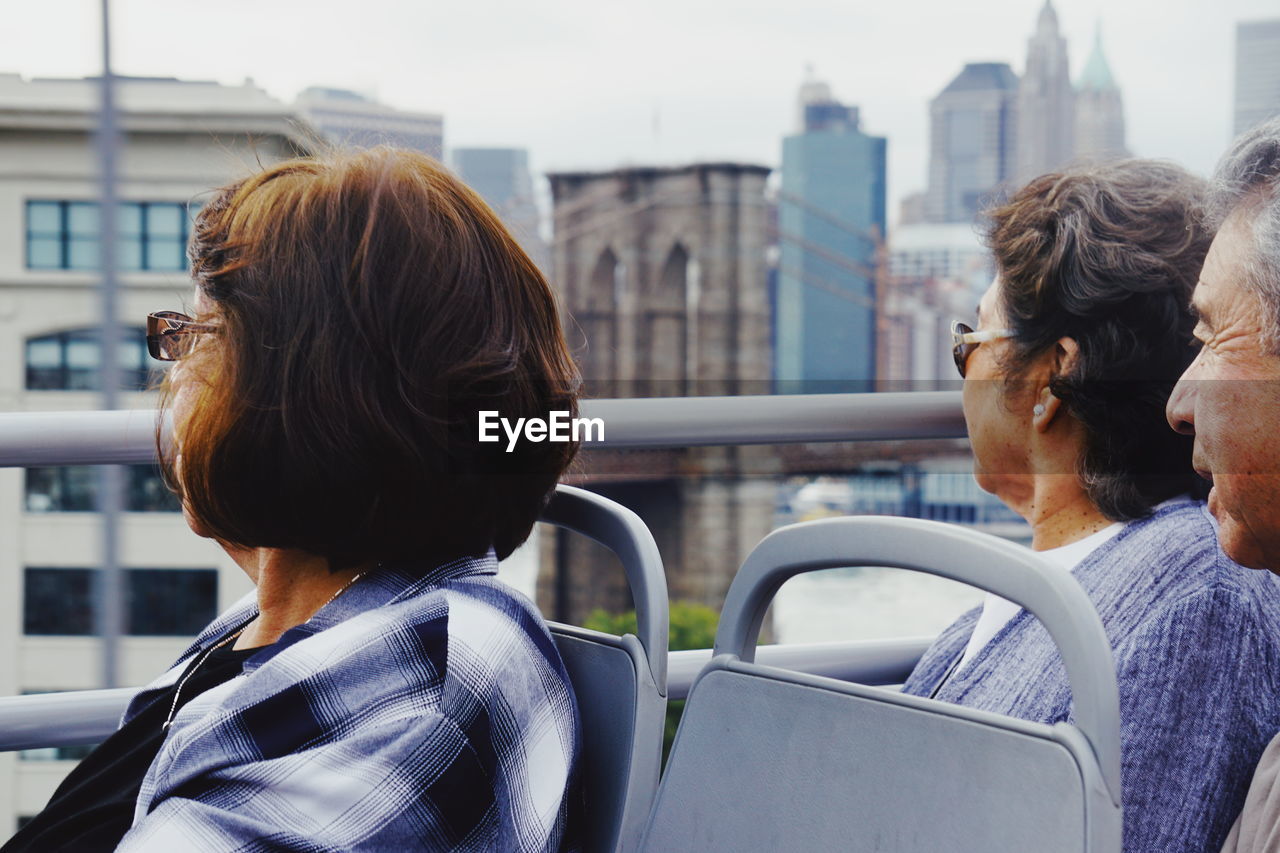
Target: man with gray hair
(1229, 398)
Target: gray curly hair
(1246, 186)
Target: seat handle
(621, 531)
(978, 559)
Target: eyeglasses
(964, 340)
(171, 335)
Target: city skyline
(686, 84)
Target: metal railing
(33, 439)
(88, 716)
(29, 439)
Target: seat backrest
(620, 682)
(767, 759)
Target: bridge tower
(662, 278)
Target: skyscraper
(1099, 109)
(971, 141)
(1257, 72)
(349, 118)
(1046, 118)
(831, 222)
(501, 176)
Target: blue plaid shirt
(410, 713)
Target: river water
(863, 603)
(832, 605)
(869, 603)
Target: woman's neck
(292, 587)
(1060, 512)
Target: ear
(1065, 353)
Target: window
(74, 488)
(170, 602)
(145, 491)
(65, 235)
(69, 361)
(158, 602)
(58, 601)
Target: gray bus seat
(620, 682)
(767, 759)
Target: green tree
(693, 626)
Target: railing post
(110, 611)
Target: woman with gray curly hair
(1080, 340)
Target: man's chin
(1242, 548)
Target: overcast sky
(598, 83)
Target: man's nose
(1181, 408)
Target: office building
(351, 119)
(502, 177)
(831, 225)
(937, 273)
(1099, 110)
(972, 146)
(1046, 111)
(931, 251)
(1257, 96)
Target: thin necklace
(207, 653)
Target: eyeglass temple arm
(983, 336)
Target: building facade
(1099, 133)
(972, 142)
(180, 139)
(501, 176)
(937, 274)
(831, 226)
(933, 252)
(351, 119)
(1046, 102)
(1257, 96)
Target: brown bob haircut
(1108, 255)
(368, 305)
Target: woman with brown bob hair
(380, 689)
(1080, 340)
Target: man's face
(1230, 399)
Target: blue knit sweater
(1197, 647)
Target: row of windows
(157, 602)
(70, 361)
(66, 235)
(74, 488)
